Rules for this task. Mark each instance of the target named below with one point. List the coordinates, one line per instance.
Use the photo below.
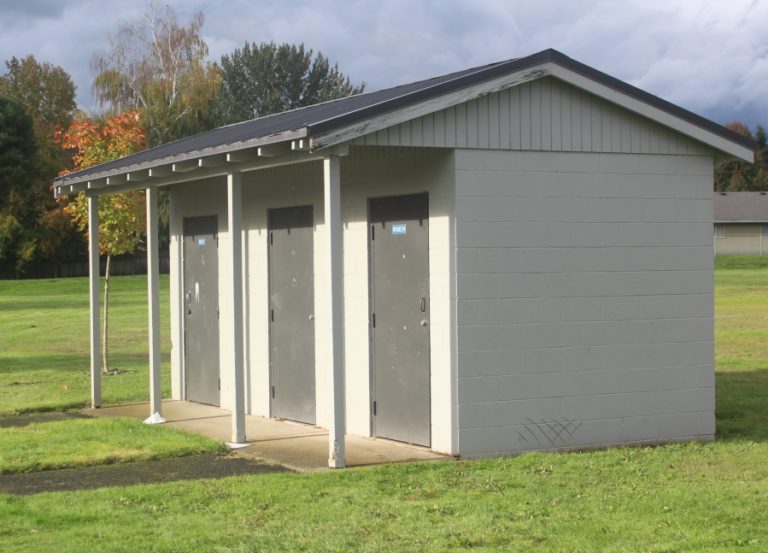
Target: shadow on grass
(9, 365)
(741, 405)
(74, 304)
(193, 467)
(69, 363)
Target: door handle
(423, 305)
(311, 317)
(423, 322)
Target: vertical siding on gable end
(584, 300)
(542, 115)
(505, 134)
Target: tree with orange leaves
(121, 216)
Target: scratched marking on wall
(553, 433)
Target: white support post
(93, 288)
(153, 302)
(335, 274)
(234, 218)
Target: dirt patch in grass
(194, 467)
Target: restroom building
(512, 257)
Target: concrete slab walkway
(296, 446)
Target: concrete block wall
(584, 299)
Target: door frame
(270, 355)
(371, 351)
(183, 380)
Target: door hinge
(218, 316)
(272, 315)
(271, 238)
(219, 382)
(216, 237)
(374, 408)
(373, 320)
(273, 392)
(373, 232)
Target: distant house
(741, 222)
(507, 258)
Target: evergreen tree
(267, 78)
(18, 171)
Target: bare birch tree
(159, 66)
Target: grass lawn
(44, 343)
(85, 442)
(741, 350)
(689, 497)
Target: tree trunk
(105, 334)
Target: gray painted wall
(585, 299)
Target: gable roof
(741, 207)
(334, 122)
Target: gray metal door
(399, 273)
(291, 313)
(201, 309)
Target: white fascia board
(647, 110)
(414, 111)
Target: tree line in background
(734, 175)
(154, 84)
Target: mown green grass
(684, 497)
(44, 343)
(674, 498)
(736, 261)
(86, 442)
(741, 351)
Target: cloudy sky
(709, 56)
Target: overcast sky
(709, 56)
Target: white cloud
(708, 55)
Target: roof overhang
(666, 117)
(193, 165)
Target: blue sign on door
(201, 241)
(398, 229)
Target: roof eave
(93, 173)
(662, 112)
